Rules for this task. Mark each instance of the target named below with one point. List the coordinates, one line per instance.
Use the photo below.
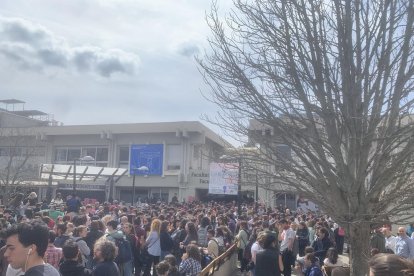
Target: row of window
(66, 155)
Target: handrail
(217, 262)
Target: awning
(87, 173)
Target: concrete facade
(188, 148)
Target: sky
(106, 61)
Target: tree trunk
(359, 237)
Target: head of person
(80, 231)
(390, 265)
(309, 249)
(104, 251)
(269, 240)
(164, 226)
(402, 232)
(171, 260)
(127, 228)
(193, 252)
(52, 236)
(210, 234)
(284, 224)
(26, 243)
(190, 228)
(332, 255)
(322, 233)
(70, 250)
(310, 260)
(156, 226)
(162, 268)
(112, 225)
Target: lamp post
(140, 169)
(86, 158)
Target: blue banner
(146, 159)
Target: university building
(168, 157)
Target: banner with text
(223, 178)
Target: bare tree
(18, 160)
(333, 80)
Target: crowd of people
(68, 237)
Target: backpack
(247, 253)
(124, 251)
(202, 236)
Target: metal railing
(220, 260)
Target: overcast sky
(105, 61)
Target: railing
(217, 262)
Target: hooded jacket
(73, 268)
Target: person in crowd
(377, 239)
(53, 254)
(191, 261)
(172, 261)
(312, 265)
(302, 235)
(404, 246)
(104, 253)
(73, 204)
(339, 234)
(256, 248)
(154, 246)
(92, 236)
(26, 246)
(79, 235)
(61, 235)
(124, 258)
(191, 234)
(322, 244)
(332, 258)
(71, 265)
(390, 240)
(300, 268)
(242, 240)
(269, 261)
(166, 241)
(286, 238)
(57, 201)
(163, 268)
(212, 249)
(390, 265)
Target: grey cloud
(188, 50)
(31, 46)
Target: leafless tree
(333, 80)
(18, 158)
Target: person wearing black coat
(269, 261)
(166, 241)
(322, 244)
(71, 265)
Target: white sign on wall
(223, 178)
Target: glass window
(61, 155)
(89, 152)
(101, 154)
(123, 154)
(73, 154)
(174, 155)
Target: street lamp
(86, 158)
(140, 169)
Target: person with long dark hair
(269, 261)
(302, 235)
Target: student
(26, 246)
(105, 252)
(71, 265)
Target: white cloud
(33, 47)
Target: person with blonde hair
(390, 265)
(153, 246)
